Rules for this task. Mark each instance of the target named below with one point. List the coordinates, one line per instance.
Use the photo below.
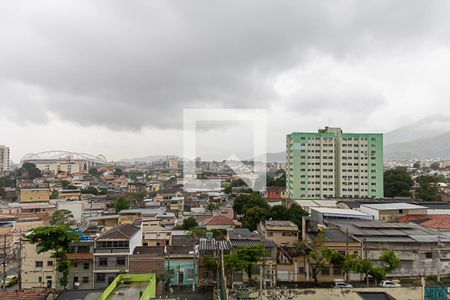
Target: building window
(75, 279)
(85, 279)
(301, 270)
(40, 279)
(428, 255)
(120, 261)
(39, 264)
(50, 263)
(103, 261)
(86, 266)
(100, 277)
(325, 270)
(337, 271)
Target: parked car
(389, 284)
(341, 284)
(9, 280)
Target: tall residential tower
(331, 164)
(4, 159)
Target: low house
(220, 223)
(296, 266)
(112, 250)
(178, 263)
(38, 270)
(157, 236)
(82, 258)
(416, 246)
(391, 212)
(281, 232)
(438, 222)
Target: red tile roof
(219, 220)
(430, 221)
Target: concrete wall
(414, 293)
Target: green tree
(390, 261)
(278, 212)
(435, 165)
(30, 171)
(245, 258)
(65, 184)
(93, 172)
(212, 206)
(121, 203)
(428, 190)
(54, 195)
(90, 190)
(58, 240)
(228, 189)
(189, 223)
(278, 180)
(244, 201)
(296, 213)
(253, 216)
(118, 172)
(397, 183)
(365, 266)
(62, 217)
(378, 273)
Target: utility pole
(439, 256)
(20, 263)
(261, 271)
(4, 262)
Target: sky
(114, 77)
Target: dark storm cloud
(130, 64)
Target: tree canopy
(62, 217)
(189, 223)
(121, 203)
(245, 258)
(30, 171)
(57, 239)
(428, 190)
(397, 183)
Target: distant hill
(425, 128)
(149, 158)
(422, 148)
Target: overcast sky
(113, 77)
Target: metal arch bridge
(65, 155)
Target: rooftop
(377, 231)
(339, 211)
(122, 231)
(240, 233)
(218, 220)
(429, 221)
(393, 206)
(280, 223)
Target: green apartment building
(333, 164)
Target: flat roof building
(391, 212)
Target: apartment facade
(34, 195)
(4, 159)
(38, 269)
(331, 163)
(112, 251)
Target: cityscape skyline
(108, 88)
